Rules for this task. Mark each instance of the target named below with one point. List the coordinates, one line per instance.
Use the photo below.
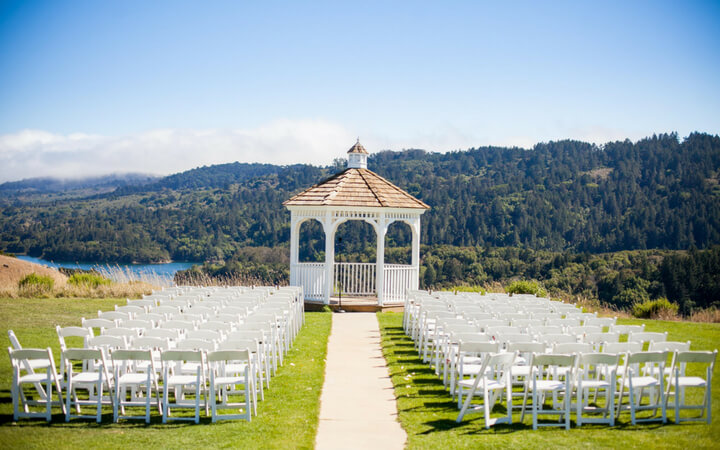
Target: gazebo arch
(355, 194)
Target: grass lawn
(428, 413)
(288, 418)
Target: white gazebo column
(380, 230)
(415, 261)
(329, 256)
(294, 242)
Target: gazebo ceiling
(356, 187)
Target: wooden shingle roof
(356, 187)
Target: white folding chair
(94, 378)
(48, 377)
(30, 366)
(182, 385)
(679, 381)
(636, 380)
(597, 372)
(224, 384)
(141, 385)
(493, 378)
(550, 374)
(468, 363)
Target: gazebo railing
(398, 279)
(355, 279)
(311, 276)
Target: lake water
(157, 273)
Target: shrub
(525, 287)
(660, 308)
(88, 280)
(35, 285)
(478, 289)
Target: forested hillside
(658, 193)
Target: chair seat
(688, 382)
(642, 382)
(520, 371)
(491, 384)
(221, 381)
(133, 378)
(549, 385)
(86, 377)
(39, 363)
(33, 378)
(471, 369)
(180, 379)
(235, 368)
(595, 384)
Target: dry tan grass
(12, 270)
(711, 315)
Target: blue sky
(91, 87)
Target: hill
(569, 196)
(12, 270)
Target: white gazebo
(355, 194)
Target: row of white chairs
(564, 378)
(443, 325)
(264, 329)
(219, 380)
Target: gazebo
(355, 194)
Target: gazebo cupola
(357, 156)
(355, 194)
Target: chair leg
(48, 412)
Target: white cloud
(35, 153)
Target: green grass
(288, 418)
(428, 413)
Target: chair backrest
(181, 355)
(208, 335)
(647, 357)
(546, 329)
(79, 332)
(131, 309)
(647, 336)
(18, 356)
(166, 333)
(557, 338)
(137, 324)
(182, 325)
(150, 343)
(107, 343)
(239, 344)
(595, 359)
(627, 329)
(228, 356)
(478, 347)
(599, 338)
(512, 338)
(572, 348)
(216, 325)
(697, 357)
(670, 346)
(196, 344)
(122, 331)
(98, 323)
(526, 347)
(552, 359)
(622, 347)
(583, 330)
(114, 315)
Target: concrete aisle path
(357, 404)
